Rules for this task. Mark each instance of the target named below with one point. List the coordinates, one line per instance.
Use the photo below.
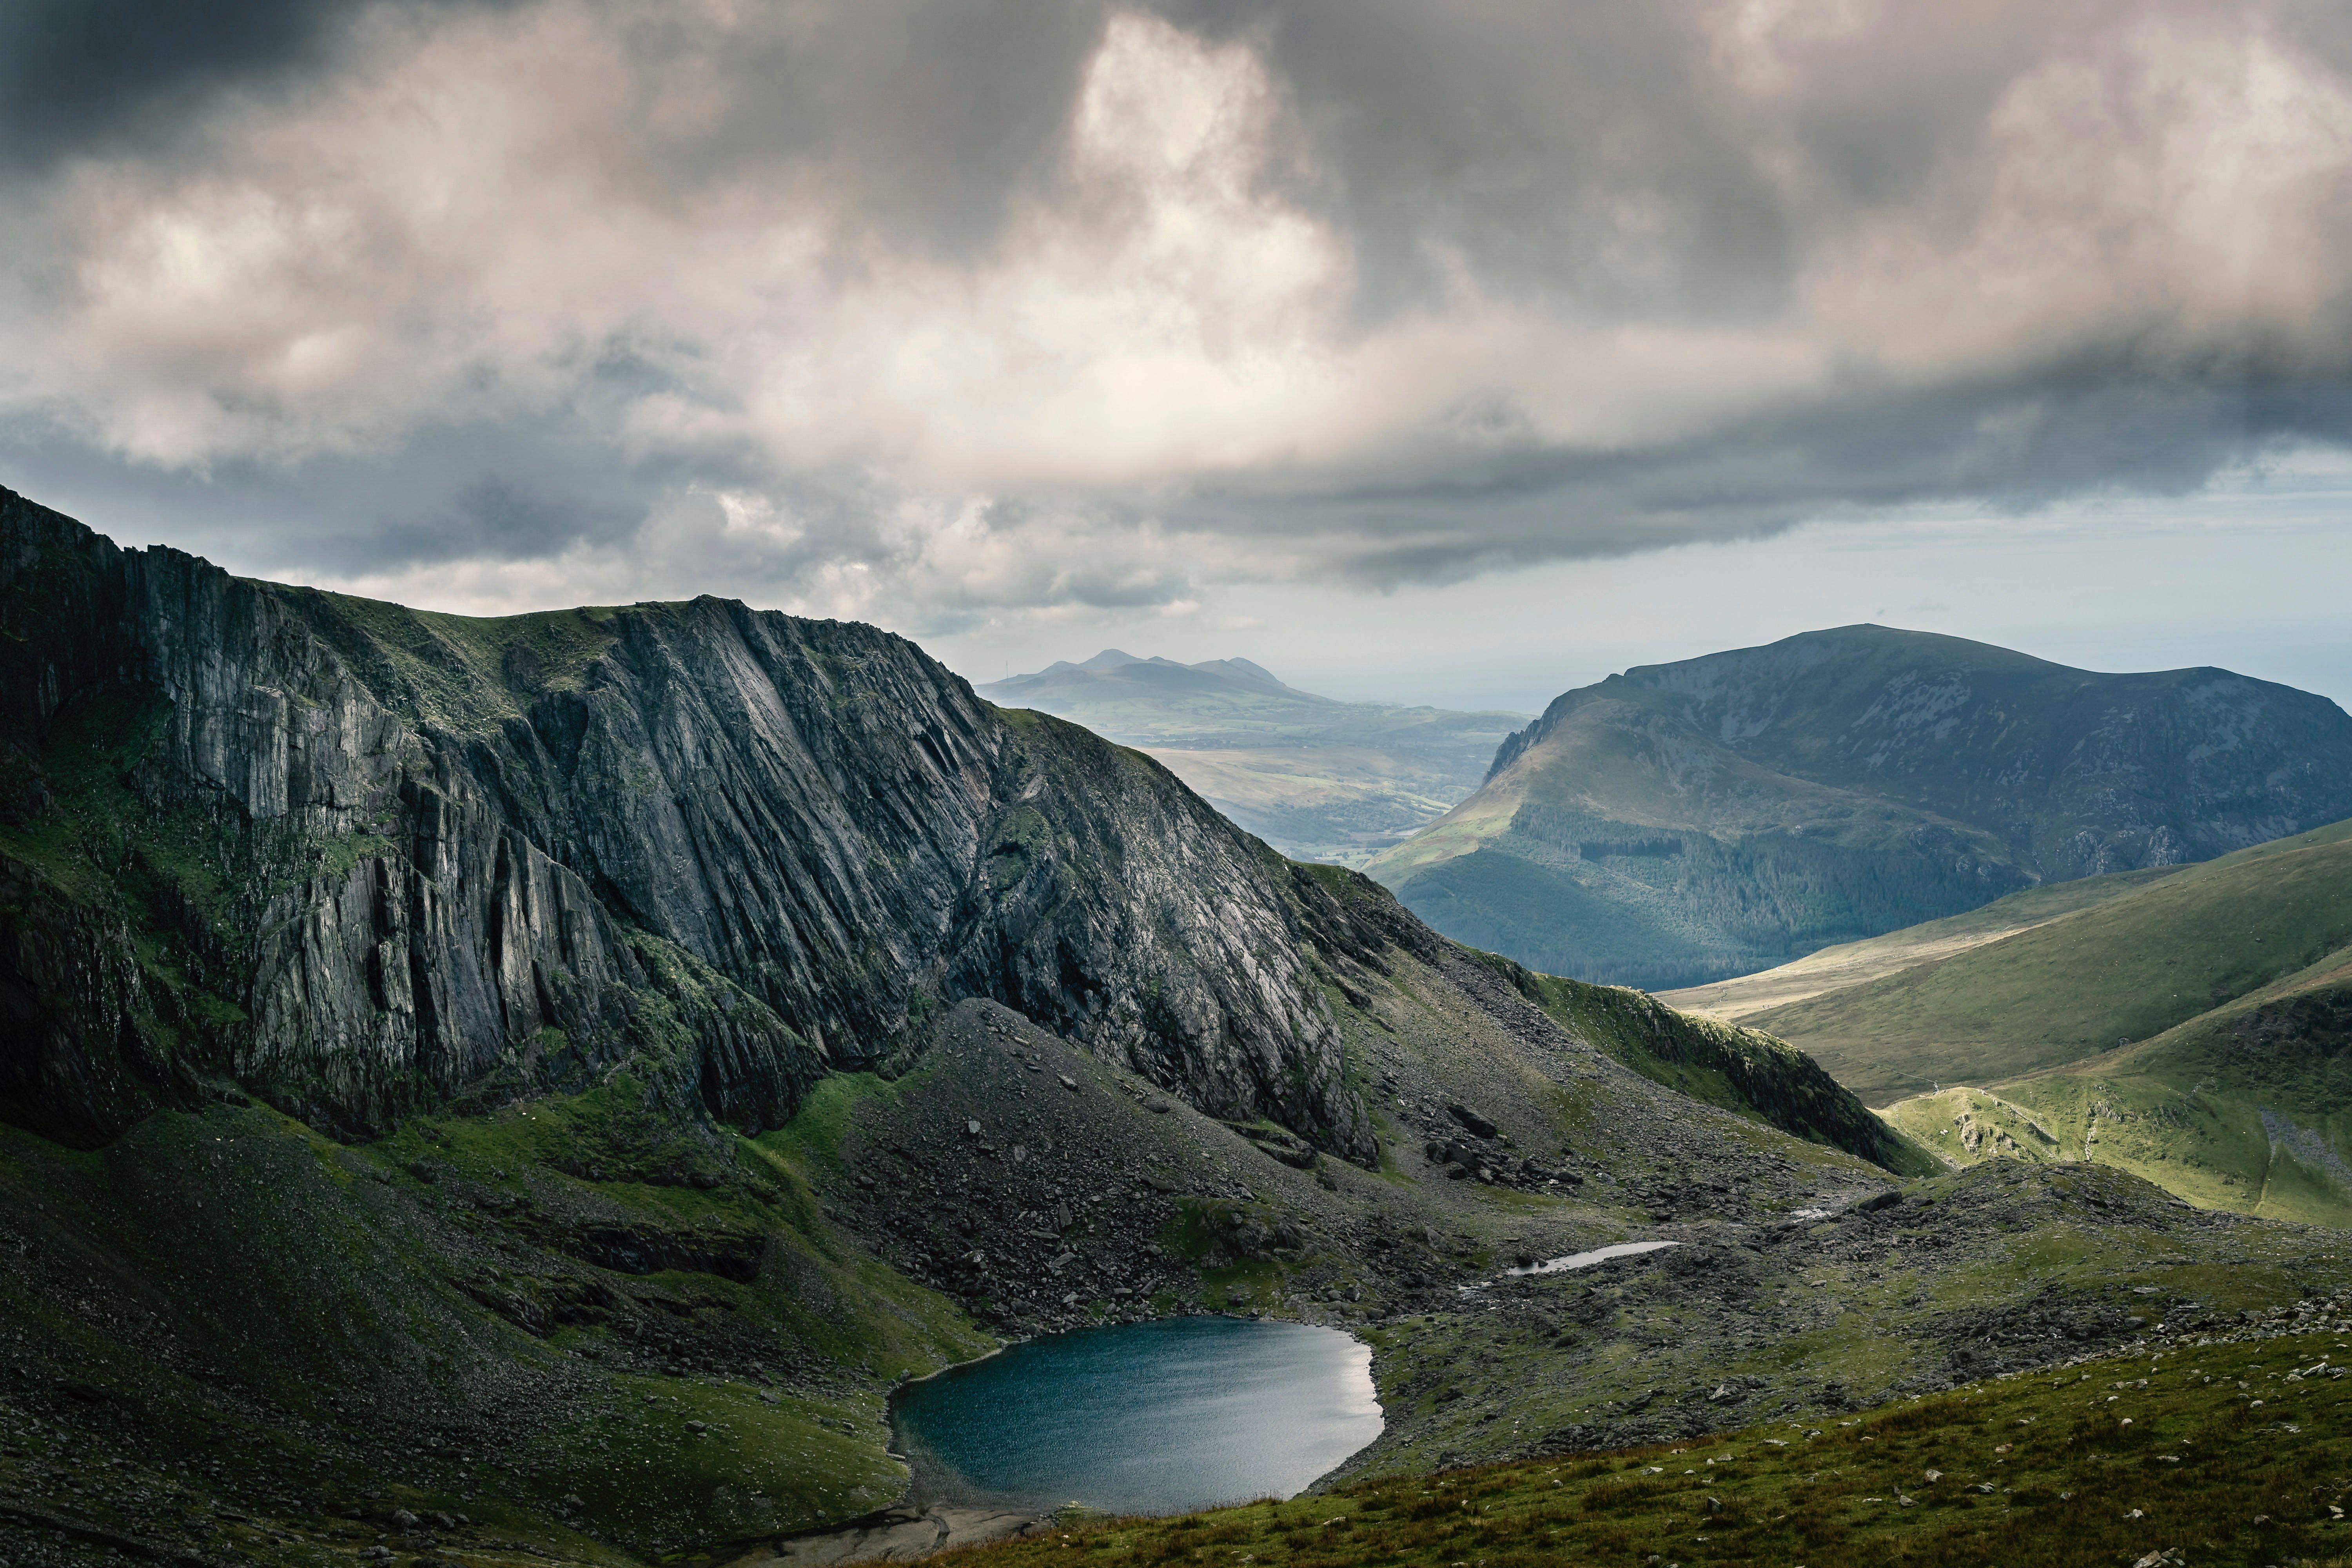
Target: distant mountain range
(1682, 822)
(2193, 1026)
(1318, 778)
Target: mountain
(2191, 1028)
(529, 1089)
(563, 1070)
(357, 860)
(360, 857)
(1316, 778)
(1682, 822)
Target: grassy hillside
(514, 1316)
(1857, 963)
(2199, 1448)
(1739, 1070)
(2191, 1027)
(2247, 1107)
(2119, 972)
(1619, 848)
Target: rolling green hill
(1683, 823)
(1874, 958)
(1318, 778)
(2191, 1029)
(2121, 971)
(2246, 1107)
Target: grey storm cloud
(930, 309)
(2103, 424)
(76, 75)
(928, 115)
(1515, 133)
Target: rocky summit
(357, 858)
(480, 1092)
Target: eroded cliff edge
(354, 858)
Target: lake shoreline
(923, 1519)
(1162, 1416)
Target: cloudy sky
(1455, 352)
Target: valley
(1316, 778)
(533, 1091)
(1852, 963)
(2187, 1026)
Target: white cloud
(1155, 368)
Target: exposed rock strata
(350, 855)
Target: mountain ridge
(490, 830)
(1678, 823)
(535, 1086)
(1112, 658)
(358, 859)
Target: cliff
(354, 858)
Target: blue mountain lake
(1156, 1417)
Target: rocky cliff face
(353, 856)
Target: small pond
(1587, 1260)
(1158, 1418)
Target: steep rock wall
(365, 854)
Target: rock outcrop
(351, 856)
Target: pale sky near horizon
(1419, 350)
(2254, 576)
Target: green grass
(2246, 1107)
(1945, 1122)
(1724, 1065)
(2190, 1029)
(392, 1272)
(1874, 958)
(816, 1129)
(2125, 970)
(752, 1465)
(621, 1151)
(2097, 1464)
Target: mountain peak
(1118, 665)
(1864, 778)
